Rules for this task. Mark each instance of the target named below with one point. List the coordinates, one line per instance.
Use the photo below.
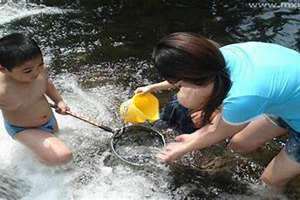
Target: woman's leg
(285, 165)
(255, 135)
(49, 149)
(280, 171)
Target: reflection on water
(98, 52)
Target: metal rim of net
(122, 130)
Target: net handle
(85, 119)
(115, 133)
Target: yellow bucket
(140, 108)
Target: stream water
(98, 52)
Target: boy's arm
(54, 95)
(5, 103)
(2, 102)
(52, 92)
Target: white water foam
(11, 10)
(88, 177)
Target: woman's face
(193, 96)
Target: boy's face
(28, 71)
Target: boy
(27, 115)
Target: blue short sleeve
(240, 110)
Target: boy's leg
(280, 170)
(255, 135)
(49, 149)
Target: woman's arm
(156, 87)
(165, 85)
(202, 138)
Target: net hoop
(119, 132)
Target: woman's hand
(146, 89)
(177, 149)
(62, 107)
(156, 87)
(197, 118)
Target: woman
(250, 81)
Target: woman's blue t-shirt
(265, 80)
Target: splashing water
(76, 92)
(138, 145)
(13, 10)
(74, 39)
(144, 155)
(89, 176)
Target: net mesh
(137, 145)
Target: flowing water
(138, 145)
(98, 52)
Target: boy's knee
(66, 157)
(55, 159)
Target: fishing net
(137, 145)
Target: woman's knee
(238, 145)
(272, 183)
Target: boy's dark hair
(194, 58)
(17, 48)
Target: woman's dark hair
(194, 58)
(17, 48)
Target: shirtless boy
(27, 115)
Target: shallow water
(94, 171)
(138, 145)
(138, 154)
(97, 53)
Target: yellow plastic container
(140, 108)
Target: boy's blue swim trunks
(14, 130)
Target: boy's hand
(62, 108)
